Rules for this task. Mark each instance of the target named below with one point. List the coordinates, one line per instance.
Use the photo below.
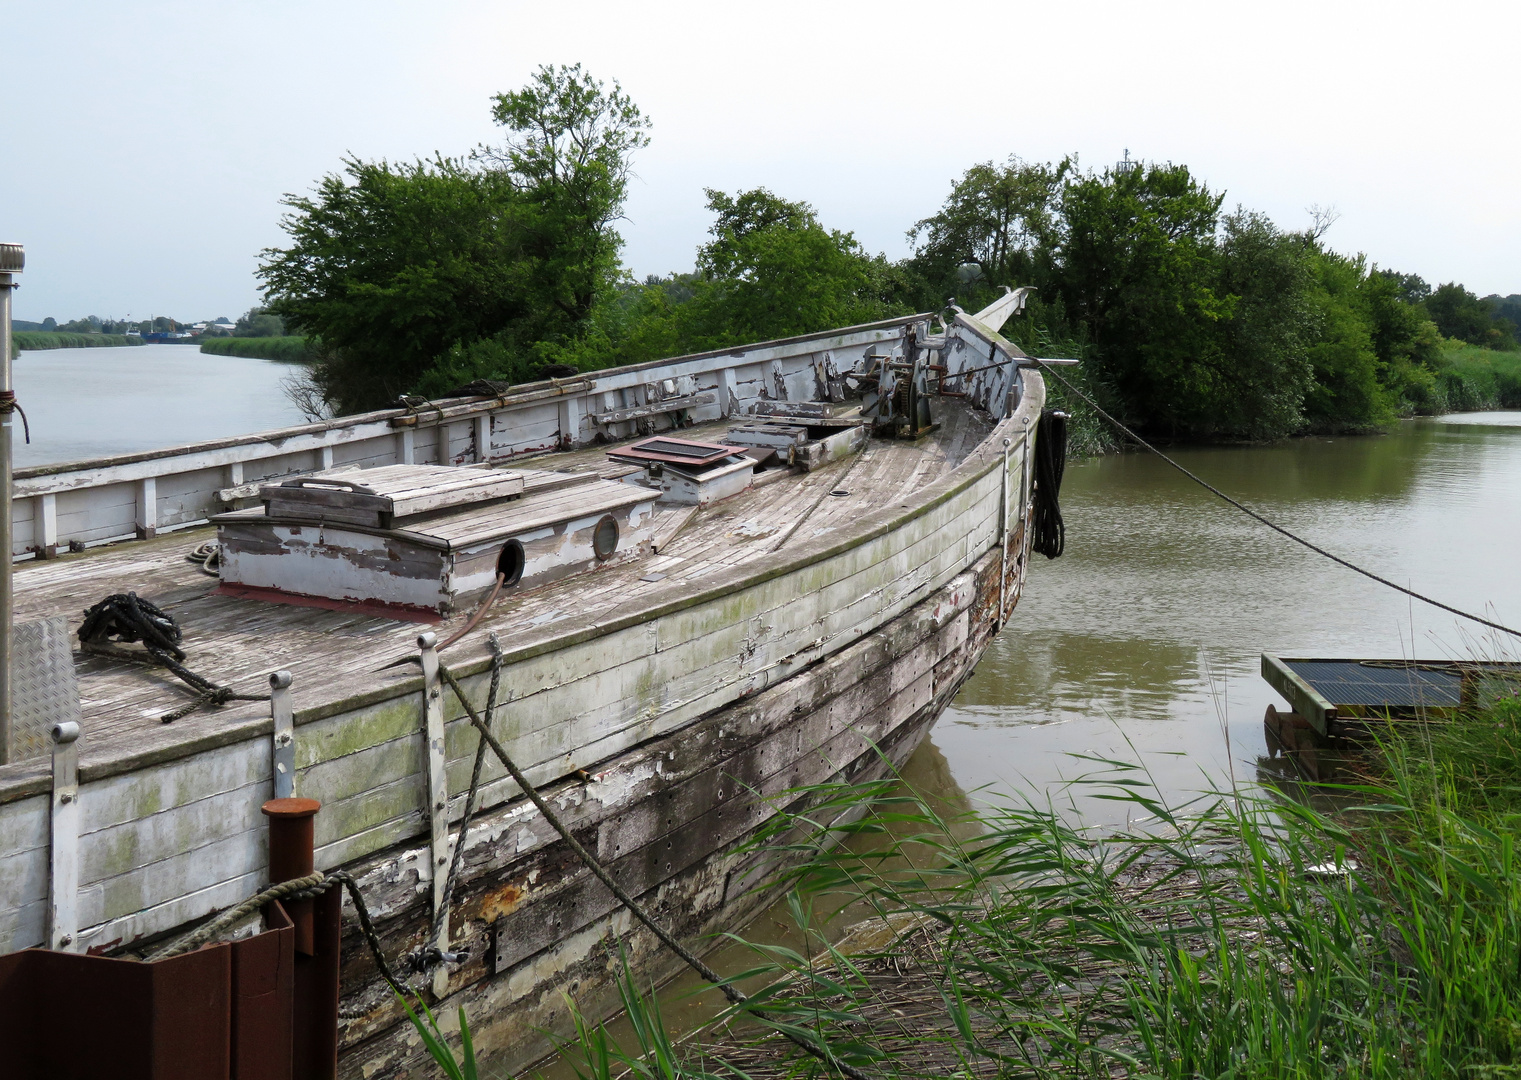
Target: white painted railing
(74, 504)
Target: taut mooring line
(1247, 510)
(735, 995)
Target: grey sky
(146, 145)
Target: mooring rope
(1249, 512)
(207, 557)
(734, 995)
(302, 888)
(127, 617)
(9, 404)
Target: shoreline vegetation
(40, 340)
(1367, 928)
(288, 349)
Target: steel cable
(1249, 512)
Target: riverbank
(40, 340)
(284, 349)
(1245, 935)
(1469, 378)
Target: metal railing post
(12, 260)
(283, 765)
(438, 792)
(63, 855)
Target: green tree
(771, 270)
(1263, 369)
(259, 322)
(1136, 275)
(1460, 314)
(391, 266)
(1347, 394)
(422, 276)
(1002, 221)
(569, 153)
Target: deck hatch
(380, 498)
(674, 452)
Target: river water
(86, 403)
(1143, 642)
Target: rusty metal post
(292, 854)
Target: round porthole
(510, 563)
(605, 537)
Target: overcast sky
(146, 145)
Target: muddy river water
(1143, 642)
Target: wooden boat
(662, 692)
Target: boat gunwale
(34, 777)
(523, 393)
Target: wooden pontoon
(810, 627)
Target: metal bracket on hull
(438, 795)
(283, 765)
(63, 878)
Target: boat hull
(541, 930)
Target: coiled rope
(1249, 512)
(207, 557)
(126, 618)
(734, 995)
(1048, 531)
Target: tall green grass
(287, 349)
(36, 340)
(1472, 378)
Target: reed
(285, 349)
(37, 340)
(1240, 935)
(1472, 378)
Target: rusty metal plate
(44, 690)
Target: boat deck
(336, 655)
